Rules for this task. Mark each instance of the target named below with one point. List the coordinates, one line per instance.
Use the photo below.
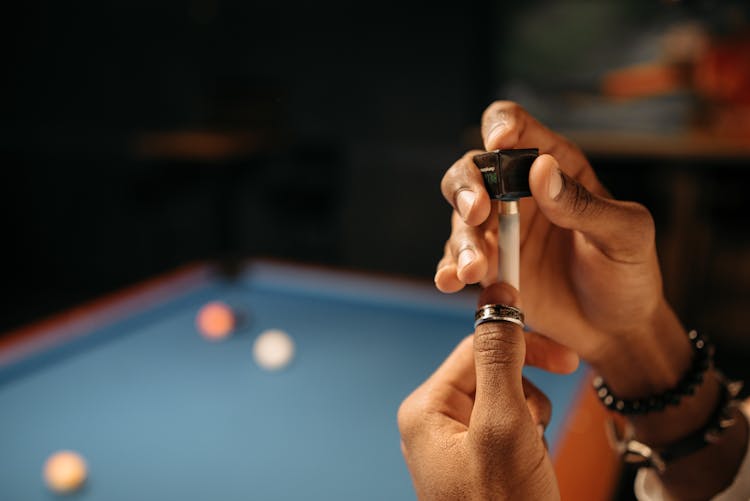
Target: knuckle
(405, 415)
(445, 184)
(640, 222)
(409, 416)
(499, 343)
(458, 175)
(469, 156)
(448, 251)
(501, 434)
(404, 450)
(458, 227)
(581, 201)
(644, 219)
(448, 180)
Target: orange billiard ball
(65, 472)
(216, 320)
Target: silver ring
(498, 313)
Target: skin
(575, 240)
(591, 287)
(474, 429)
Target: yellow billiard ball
(64, 472)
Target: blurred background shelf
(705, 147)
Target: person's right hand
(590, 280)
(589, 269)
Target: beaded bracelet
(703, 354)
(723, 417)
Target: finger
(544, 353)
(467, 246)
(623, 231)
(446, 276)
(538, 404)
(458, 369)
(499, 351)
(540, 408)
(505, 125)
(463, 187)
(446, 397)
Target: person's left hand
(474, 429)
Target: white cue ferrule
(508, 243)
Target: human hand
(474, 429)
(590, 276)
(590, 280)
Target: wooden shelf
(686, 146)
(202, 145)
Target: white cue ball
(273, 349)
(64, 472)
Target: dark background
(345, 125)
(136, 137)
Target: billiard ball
(273, 349)
(215, 320)
(64, 472)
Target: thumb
(499, 352)
(510, 457)
(623, 231)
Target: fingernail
(465, 201)
(540, 430)
(465, 258)
(495, 131)
(555, 186)
(494, 136)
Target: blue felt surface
(160, 413)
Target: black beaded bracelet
(723, 417)
(703, 354)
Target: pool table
(159, 412)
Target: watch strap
(723, 417)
